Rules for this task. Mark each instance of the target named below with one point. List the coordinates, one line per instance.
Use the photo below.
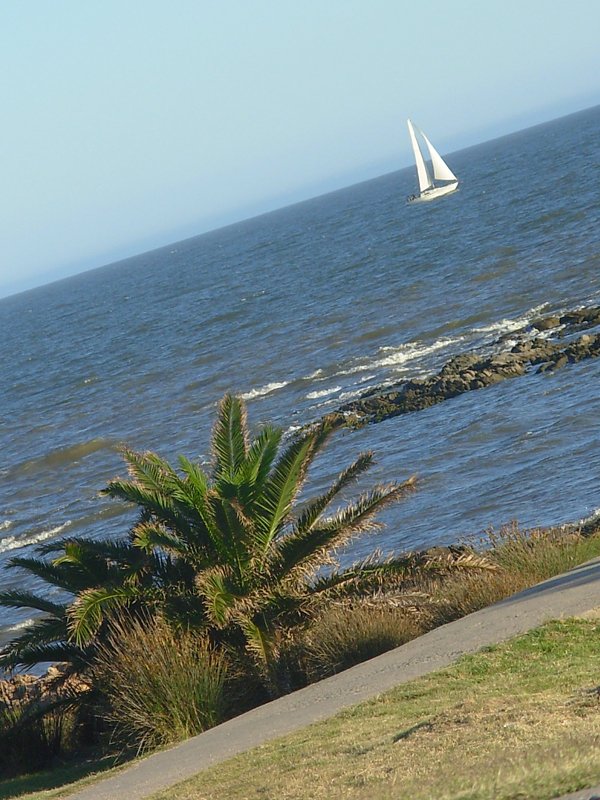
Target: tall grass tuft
(161, 686)
(346, 634)
(522, 557)
(511, 559)
(540, 553)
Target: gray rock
(546, 323)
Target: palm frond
(148, 536)
(109, 549)
(373, 573)
(259, 461)
(156, 502)
(196, 477)
(230, 437)
(219, 596)
(369, 574)
(39, 634)
(283, 484)
(312, 512)
(27, 657)
(304, 551)
(149, 470)
(56, 574)
(93, 606)
(23, 599)
(259, 642)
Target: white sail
(422, 172)
(445, 180)
(441, 170)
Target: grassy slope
(518, 720)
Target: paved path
(566, 595)
(584, 794)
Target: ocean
(302, 309)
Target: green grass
(520, 720)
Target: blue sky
(127, 124)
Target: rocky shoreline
(516, 353)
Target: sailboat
(430, 187)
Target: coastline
(548, 343)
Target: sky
(129, 124)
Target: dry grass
(513, 722)
(161, 686)
(345, 635)
(522, 558)
(503, 563)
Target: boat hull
(433, 194)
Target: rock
(573, 318)
(546, 323)
(559, 362)
(476, 370)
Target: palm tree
(253, 555)
(231, 551)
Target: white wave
(263, 390)
(318, 373)
(508, 325)
(5, 524)
(502, 326)
(18, 625)
(16, 542)
(401, 355)
(350, 394)
(323, 393)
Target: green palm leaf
(149, 470)
(285, 481)
(312, 512)
(258, 463)
(92, 607)
(230, 437)
(40, 633)
(148, 536)
(61, 575)
(22, 599)
(303, 551)
(158, 503)
(26, 657)
(259, 642)
(218, 593)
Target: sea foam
(263, 390)
(17, 542)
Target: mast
(423, 176)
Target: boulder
(546, 323)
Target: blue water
(303, 308)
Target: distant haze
(126, 125)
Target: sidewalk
(566, 595)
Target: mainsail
(422, 172)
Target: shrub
(346, 634)
(160, 685)
(522, 557)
